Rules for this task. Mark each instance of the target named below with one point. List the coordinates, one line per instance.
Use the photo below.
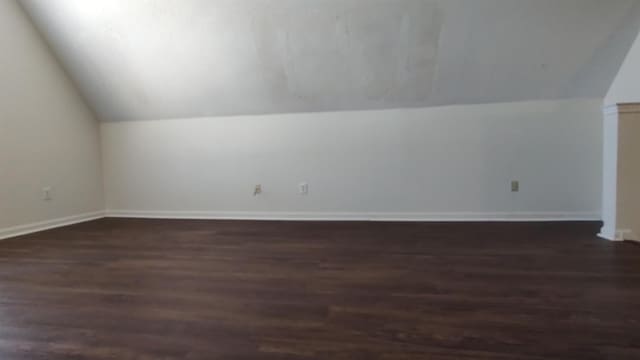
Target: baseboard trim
(15, 231)
(609, 233)
(626, 235)
(349, 216)
(618, 234)
(11, 232)
(606, 236)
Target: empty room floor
(158, 289)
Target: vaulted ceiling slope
(154, 59)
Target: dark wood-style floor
(156, 289)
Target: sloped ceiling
(155, 59)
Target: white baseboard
(352, 216)
(618, 234)
(626, 235)
(49, 224)
(302, 216)
(609, 233)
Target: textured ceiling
(155, 59)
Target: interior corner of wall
(608, 233)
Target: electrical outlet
(304, 188)
(515, 186)
(47, 193)
(257, 190)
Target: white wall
(626, 86)
(48, 137)
(450, 162)
(610, 173)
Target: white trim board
(610, 234)
(626, 235)
(353, 216)
(14, 231)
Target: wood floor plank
(180, 289)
